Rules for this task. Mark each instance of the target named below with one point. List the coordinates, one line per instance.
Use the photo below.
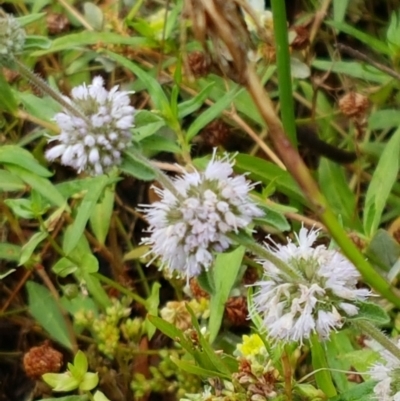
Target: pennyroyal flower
(189, 225)
(387, 374)
(12, 38)
(317, 301)
(92, 139)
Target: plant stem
(46, 89)
(120, 288)
(162, 178)
(284, 73)
(262, 252)
(368, 328)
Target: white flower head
(92, 139)
(317, 301)
(188, 226)
(12, 38)
(265, 17)
(387, 374)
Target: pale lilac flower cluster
(387, 375)
(12, 38)
(92, 139)
(318, 300)
(189, 225)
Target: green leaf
(89, 263)
(211, 113)
(392, 34)
(155, 90)
(371, 312)
(339, 10)
(101, 215)
(266, 172)
(334, 186)
(79, 303)
(384, 119)
(205, 355)
(21, 207)
(8, 102)
(353, 69)
(338, 346)
(378, 45)
(361, 392)
(273, 218)
(193, 369)
(147, 124)
(383, 250)
(95, 289)
(361, 358)
(135, 167)
(89, 382)
(85, 209)
(160, 142)
(194, 103)
(152, 304)
(44, 108)
(34, 42)
(28, 248)
(9, 252)
(320, 366)
(64, 267)
(224, 275)
(30, 18)
(383, 178)
(85, 38)
(80, 365)
(46, 311)
(61, 381)
(93, 15)
(15, 155)
(99, 396)
(40, 184)
(73, 187)
(68, 398)
(10, 182)
(171, 331)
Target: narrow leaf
(155, 90)
(10, 182)
(46, 311)
(10, 252)
(8, 102)
(152, 308)
(101, 216)
(40, 184)
(137, 168)
(15, 155)
(85, 209)
(30, 246)
(322, 373)
(385, 175)
(211, 113)
(193, 104)
(224, 272)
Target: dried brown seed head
(354, 104)
(42, 359)
(57, 23)
(236, 311)
(301, 38)
(199, 64)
